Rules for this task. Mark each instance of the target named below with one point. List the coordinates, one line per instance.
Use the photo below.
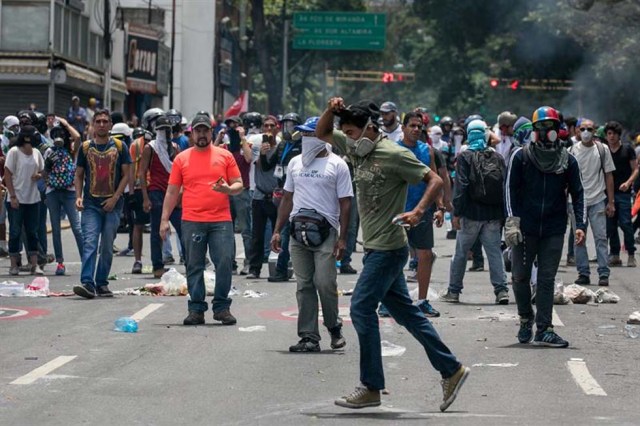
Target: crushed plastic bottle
(447, 222)
(389, 349)
(126, 325)
(632, 331)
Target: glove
(48, 164)
(512, 234)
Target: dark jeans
(282, 266)
(262, 210)
(157, 198)
(42, 229)
(352, 233)
(382, 280)
(217, 237)
(60, 200)
(241, 216)
(26, 215)
(622, 219)
(548, 251)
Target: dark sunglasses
(588, 129)
(269, 125)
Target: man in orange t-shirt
(208, 175)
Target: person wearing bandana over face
(596, 167)
(538, 177)
(317, 199)
(383, 171)
(60, 171)
(155, 168)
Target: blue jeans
(57, 200)
(571, 235)
(489, 234)
(98, 226)
(157, 198)
(352, 233)
(218, 238)
(25, 216)
(622, 218)
(282, 266)
(382, 280)
(42, 229)
(597, 221)
(241, 212)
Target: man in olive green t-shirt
(383, 170)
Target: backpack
(486, 177)
(86, 144)
(63, 171)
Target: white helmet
(10, 126)
(121, 129)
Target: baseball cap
(388, 107)
(232, 119)
(309, 125)
(201, 120)
(75, 98)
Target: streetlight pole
(173, 48)
(285, 55)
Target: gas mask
(288, 129)
(363, 145)
(545, 134)
(586, 136)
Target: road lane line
(555, 319)
(42, 371)
(583, 378)
(144, 312)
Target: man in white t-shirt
(317, 199)
(390, 123)
(596, 166)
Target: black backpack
(486, 177)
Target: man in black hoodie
(538, 177)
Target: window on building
(24, 27)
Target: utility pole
(106, 41)
(173, 48)
(285, 55)
(51, 106)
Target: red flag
(241, 104)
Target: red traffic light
(494, 83)
(388, 77)
(515, 84)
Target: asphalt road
(62, 363)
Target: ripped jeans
(218, 238)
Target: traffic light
(437, 118)
(515, 84)
(388, 77)
(494, 83)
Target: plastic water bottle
(447, 221)
(126, 325)
(633, 331)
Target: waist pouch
(310, 228)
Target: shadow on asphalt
(376, 415)
(530, 346)
(322, 352)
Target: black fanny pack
(310, 228)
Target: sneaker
(452, 385)
(84, 290)
(476, 267)
(305, 345)
(194, 318)
(137, 267)
(3, 252)
(502, 298)
(450, 297)
(278, 278)
(603, 281)
(60, 269)
(550, 339)
(571, 261)
(245, 270)
(337, 339)
(37, 270)
(360, 398)
(614, 260)
(383, 312)
(428, 310)
(104, 291)
(583, 280)
(346, 269)
(25, 268)
(124, 252)
(158, 273)
(225, 317)
(252, 275)
(631, 262)
(525, 334)
(413, 278)
(169, 260)
(15, 270)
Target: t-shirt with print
(22, 168)
(381, 179)
(621, 158)
(102, 166)
(415, 192)
(593, 179)
(319, 186)
(196, 170)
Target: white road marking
(42, 371)
(583, 378)
(504, 365)
(142, 313)
(555, 319)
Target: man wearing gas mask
(383, 171)
(596, 167)
(538, 177)
(153, 174)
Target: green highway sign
(339, 31)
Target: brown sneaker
(158, 273)
(225, 317)
(452, 385)
(194, 318)
(360, 398)
(614, 260)
(631, 262)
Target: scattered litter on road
(175, 284)
(234, 291)
(634, 318)
(210, 282)
(251, 294)
(348, 292)
(385, 391)
(559, 296)
(11, 289)
(579, 294)
(632, 331)
(604, 295)
(253, 328)
(389, 349)
(126, 325)
(503, 365)
(30, 358)
(112, 277)
(432, 295)
(147, 269)
(39, 287)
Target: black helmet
(292, 116)
(446, 120)
(137, 132)
(41, 122)
(472, 117)
(59, 132)
(174, 116)
(149, 117)
(252, 120)
(27, 117)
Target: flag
(240, 105)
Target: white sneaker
(37, 270)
